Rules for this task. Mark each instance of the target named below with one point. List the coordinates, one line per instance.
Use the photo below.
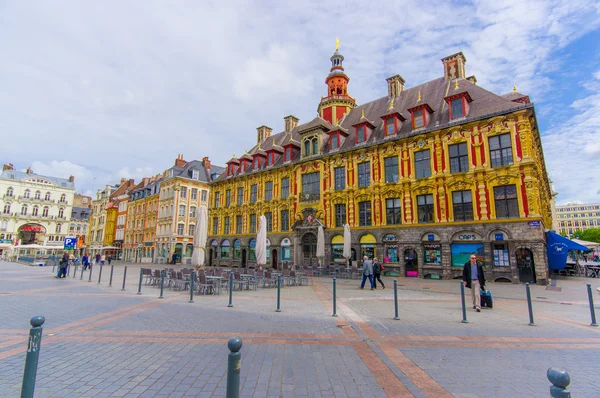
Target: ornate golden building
(424, 176)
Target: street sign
(70, 243)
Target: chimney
(179, 162)
(395, 86)
(472, 79)
(71, 178)
(291, 122)
(206, 163)
(146, 181)
(263, 133)
(7, 166)
(454, 66)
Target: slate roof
(21, 176)
(515, 96)
(484, 104)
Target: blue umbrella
(558, 248)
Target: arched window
(38, 195)
(45, 211)
(27, 194)
(63, 198)
(9, 192)
(47, 197)
(61, 213)
(58, 228)
(35, 210)
(6, 209)
(24, 210)
(307, 148)
(315, 146)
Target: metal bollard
(75, 272)
(141, 278)
(234, 364)
(230, 290)
(592, 310)
(33, 356)
(334, 298)
(396, 317)
(278, 294)
(464, 306)
(529, 306)
(112, 268)
(162, 283)
(192, 278)
(82, 269)
(560, 383)
(90, 278)
(100, 274)
(124, 278)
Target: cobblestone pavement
(101, 341)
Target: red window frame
(450, 106)
(421, 115)
(386, 122)
(361, 129)
(337, 135)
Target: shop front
(285, 250)
(390, 250)
(367, 246)
(464, 244)
(432, 256)
(337, 249)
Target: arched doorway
(274, 258)
(210, 257)
(309, 248)
(32, 234)
(178, 252)
(411, 263)
(243, 258)
(526, 265)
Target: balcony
(338, 97)
(310, 196)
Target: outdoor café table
(246, 278)
(215, 280)
(594, 271)
(348, 272)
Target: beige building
(80, 219)
(572, 217)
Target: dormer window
(418, 119)
(390, 126)
(271, 158)
(195, 174)
(420, 116)
(361, 134)
(256, 163)
(458, 105)
(288, 154)
(335, 141)
(307, 148)
(315, 146)
(457, 109)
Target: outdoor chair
(269, 280)
(203, 287)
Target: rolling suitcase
(486, 299)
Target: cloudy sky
(117, 88)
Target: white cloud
(121, 88)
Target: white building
(577, 217)
(34, 208)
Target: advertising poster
(432, 254)
(462, 251)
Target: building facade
(424, 176)
(98, 218)
(36, 209)
(80, 219)
(184, 188)
(113, 209)
(577, 217)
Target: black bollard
(82, 269)
(162, 283)
(230, 289)
(234, 364)
(464, 307)
(192, 278)
(396, 317)
(32, 357)
(278, 294)
(141, 278)
(334, 298)
(529, 305)
(560, 383)
(112, 268)
(90, 278)
(75, 272)
(592, 310)
(100, 274)
(124, 277)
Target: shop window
(411, 263)
(501, 150)
(506, 202)
(253, 193)
(459, 158)
(432, 254)
(252, 223)
(364, 174)
(238, 224)
(500, 255)
(226, 226)
(391, 254)
(340, 215)
(425, 208)
(268, 190)
(392, 211)
(240, 196)
(337, 248)
(423, 164)
(285, 220)
(225, 249)
(367, 246)
(340, 178)
(286, 251)
(391, 169)
(237, 249)
(364, 213)
(463, 205)
(285, 188)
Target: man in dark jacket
(474, 279)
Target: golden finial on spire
(456, 85)
(419, 97)
(391, 104)
(337, 43)
(515, 88)
(363, 114)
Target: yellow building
(424, 176)
(577, 217)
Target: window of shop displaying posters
(367, 246)
(337, 249)
(286, 250)
(461, 253)
(252, 250)
(432, 253)
(500, 255)
(390, 254)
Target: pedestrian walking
(474, 279)
(109, 259)
(62, 266)
(85, 261)
(102, 259)
(367, 273)
(98, 256)
(377, 270)
(174, 258)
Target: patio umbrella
(320, 245)
(261, 242)
(200, 236)
(347, 253)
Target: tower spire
(337, 44)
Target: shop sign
(286, 242)
(468, 237)
(499, 236)
(535, 223)
(31, 228)
(237, 243)
(147, 243)
(431, 237)
(390, 238)
(5, 240)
